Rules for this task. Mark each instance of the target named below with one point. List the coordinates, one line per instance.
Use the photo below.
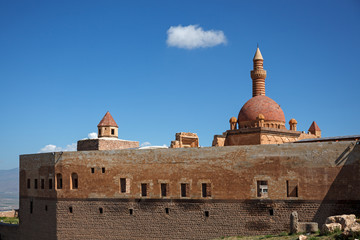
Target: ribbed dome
(264, 105)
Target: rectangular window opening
(28, 183)
(207, 214)
(42, 183)
(50, 183)
(271, 212)
(262, 188)
(112, 131)
(99, 132)
(103, 170)
(46, 208)
(131, 211)
(144, 189)
(164, 189)
(292, 188)
(184, 190)
(167, 210)
(92, 170)
(123, 185)
(206, 189)
(35, 183)
(100, 210)
(70, 210)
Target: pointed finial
(258, 55)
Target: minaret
(107, 127)
(258, 74)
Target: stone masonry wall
(326, 175)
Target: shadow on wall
(343, 196)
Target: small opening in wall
(167, 210)
(271, 212)
(164, 189)
(28, 183)
(101, 210)
(184, 189)
(50, 183)
(131, 211)
(35, 184)
(207, 214)
(112, 131)
(42, 184)
(144, 189)
(70, 209)
(123, 185)
(46, 208)
(99, 132)
(92, 170)
(103, 170)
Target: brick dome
(264, 105)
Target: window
(184, 190)
(35, 184)
(123, 185)
(99, 132)
(144, 189)
(112, 131)
(46, 208)
(74, 181)
(164, 189)
(50, 183)
(262, 188)
(59, 181)
(271, 212)
(206, 213)
(103, 170)
(292, 188)
(206, 189)
(28, 183)
(92, 170)
(42, 183)
(167, 210)
(131, 211)
(101, 210)
(70, 209)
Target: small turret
(292, 124)
(233, 123)
(314, 129)
(107, 127)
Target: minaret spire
(258, 74)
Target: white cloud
(193, 36)
(54, 148)
(92, 135)
(145, 144)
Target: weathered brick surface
(9, 231)
(105, 144)
(327, 175)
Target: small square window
(206, 213)
(92, 170)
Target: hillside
(9, 189)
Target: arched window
(74, 181)
(59, 181)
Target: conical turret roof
(258, 55)
(107, 121)
(314, 127)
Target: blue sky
(63, 64)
